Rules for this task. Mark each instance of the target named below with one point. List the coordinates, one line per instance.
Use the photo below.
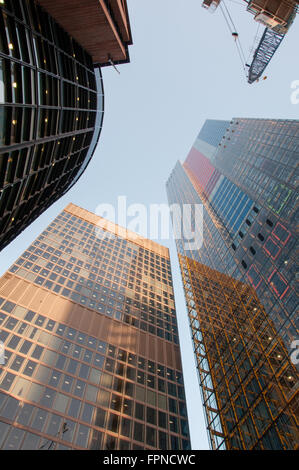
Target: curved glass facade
(51, 112)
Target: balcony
(101, 27)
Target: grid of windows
(51, 110)
(70, 389)
(249, 369)
(83, 379)
(257, 157)
(114, 277)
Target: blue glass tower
(244, 174)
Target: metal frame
(267, 47)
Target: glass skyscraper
(92, 358)
(240, 285)
(51, 99)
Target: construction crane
(276, 16)
(267, 47)
(279, 17)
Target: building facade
(240, 285)
(92, 357)
(51, 99)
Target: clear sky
(184, 69)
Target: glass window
(113, 422)
(44, 337)
(13, 342)
(139, 411)
(100, 417)
(161, 385)
(102, 346)
(61, 362)
(70, 431)
(35, 392)
(151, 398)
(79, 388)
(61, 329)
(7, 381)
(95, 376)
(163, 441)
(20, 387)
(74, 408)
(2, 317)
(138, 432)
(67, 383)
(8, 307)
(184, 427)
(14, 439)
(92, 342)
(11, 323)
(82, 436)
(72, 366)
(173, 424)
(61, 402)
(87, 356)
(131, 373)
(54, 425)
(37, 352)
(151, 415)
(25, 414)
(128, 407)
(174, 443)
(29, 316)
(22, 328)
(10, 408)
(84, 371)
(140, 393)
(103, 398)
(31, 442)
(54, 342)
(91, 393)
(110, 442)
(151, 436)
(81, 338)
(172, 405)
(20, 312)
(87, 413)
(48, 397)
(126, 426)
(129, 389)
(71, 333)
(171, 389)
(99, 360)
(49, 357)
(40, 320)
(162, 420)
(39, 419)
(42, 373)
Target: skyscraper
(240, 285)
(92, 356)
(51, 98)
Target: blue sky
(184, 69)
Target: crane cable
(238, 40)
(233, 30)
